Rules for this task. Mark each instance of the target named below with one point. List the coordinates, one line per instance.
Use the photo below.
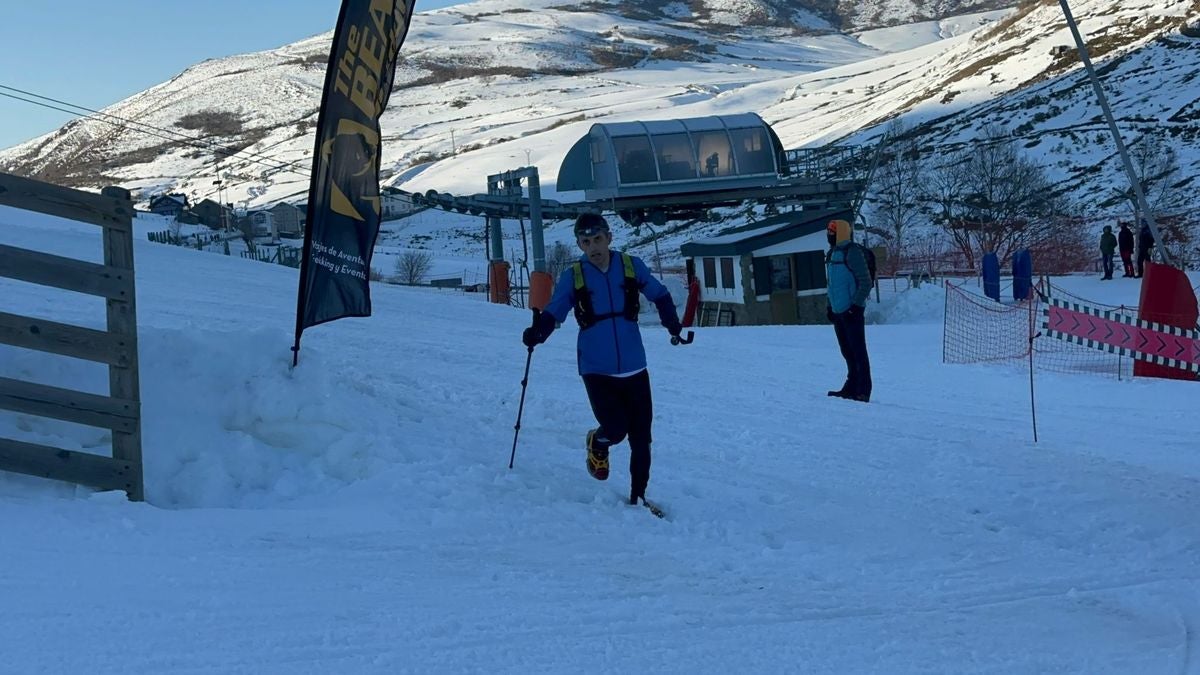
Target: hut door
(783, 290)
(783, 307)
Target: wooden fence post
(122, 321)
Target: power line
(194, 141)
(72, 112)
(151, 130)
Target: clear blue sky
(97, 53)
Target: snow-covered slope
(795, 15)
(860, 14)
(1014, 76)
(356, 514)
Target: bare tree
(1156, 163)
(558, 258)
(1064, 243)
(898, 185)
(1181, 236)
(413, 265)
(943, 192)
(991, 198)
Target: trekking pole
(1032, 407)
(676, 340)
(521, 408)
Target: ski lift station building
(623, 160)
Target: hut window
(781, 273)
(810, 270)
(710, 272)
(727, 273)
(762, 275)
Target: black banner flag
(343, 197)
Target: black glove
(673, 327)
(829, 313)
(667, 315)
(855, 310)
(532, 336)
(543, 326)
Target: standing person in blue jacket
(602, 288)
(849, 288)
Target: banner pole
(306, 252)
(344, 205)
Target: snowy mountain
(488, 78)
(490, 86)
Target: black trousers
(1142, 259)
(1108, 265)
(851, 334)
(623, 407)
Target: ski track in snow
(357, 514)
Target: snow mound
(923, 304)
(225, 421)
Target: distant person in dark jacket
(1125, 244)
(1145, 245)
(849, 288)
(1108, 246)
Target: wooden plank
(64, 339)
(97, 471)
(66, 273)
(69, 405)
(55, 200)
(122, 320)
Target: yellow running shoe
(597, 456)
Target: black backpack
(868, 254)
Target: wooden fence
(120, 411)
(283, 255)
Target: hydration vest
(586, 316)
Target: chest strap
(585, 314)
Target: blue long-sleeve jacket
(848, 277)
(611, 346)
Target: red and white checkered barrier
(1118, 333)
